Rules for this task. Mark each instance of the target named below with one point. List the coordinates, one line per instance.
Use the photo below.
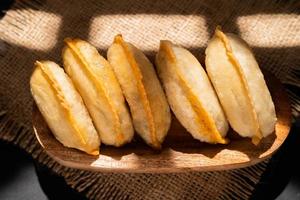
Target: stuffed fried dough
(142, 90)
(240, 86)
(96, 82)
(190, 94)
(63, 108)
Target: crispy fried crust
(240, 86)
(175, 65)
(140, 86)
(96, 82)
(149, 108)
(62, 108)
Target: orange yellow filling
(258, 135)
(59, 95)
(100, 88)
(139, 78)
(205, 121)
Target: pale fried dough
(63, 108)
(190, 94)
(240, 86)
(142, 90)
(96, 82)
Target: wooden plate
(180, 152)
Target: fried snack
(240, 86)
(190, 94)
(96, 82)
(142, 90)
(63, 108)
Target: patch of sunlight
(270, 30)
(146, 30)
(42, 36)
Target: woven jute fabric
(34, 30)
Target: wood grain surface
(180, 152)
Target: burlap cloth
(35, 29)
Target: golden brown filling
(61, 99)
(258, 135)
(100, 88)
(139, 78)
(205, 121)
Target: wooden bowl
(180, 152)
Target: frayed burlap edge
(101, 186)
